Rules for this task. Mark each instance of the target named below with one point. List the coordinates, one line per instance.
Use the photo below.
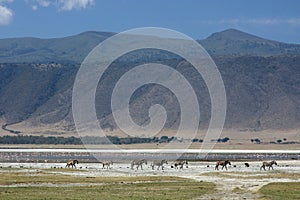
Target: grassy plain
(54, 184)
(281, 191)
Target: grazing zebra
(107, 164)
(223, 164)
(159, 163)
(72, 163)
(138, 163)
(180, 163)
(268, 164)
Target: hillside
(74, 49)
(63, 50)
(261, 79)
(236, 42)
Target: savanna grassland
(197, 181)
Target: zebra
(223, 164)
(180, 163)
(268, 164)
(72, 163)
(159, 163)
(138, 163)
(107, 164)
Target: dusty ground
(238, 182)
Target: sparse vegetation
(224, 140)
(279, 191)
(255, 175)
(24, 139)
(57, 140)
(42, 91)
(256, 140)
(151, 187)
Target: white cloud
(65, 5)
(74, 4)
(43, 3)
(6, 14)
(257, 21)
(34, 7)
(35, 4)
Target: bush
(257, 140)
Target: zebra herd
(178, 164)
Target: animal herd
(178, 164)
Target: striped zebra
(107, 164)
(139, 163)
(268, 164)
(159, 163)
(72, 163)
(180, 163)
(223, 164)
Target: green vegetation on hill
(25, 139)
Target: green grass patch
(48, 177)
(138, 187)
(150, 190)
(280, 191)
(238, 190)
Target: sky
(272, 19)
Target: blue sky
(276, 20)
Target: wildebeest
(72, 163)
(180, 163)
(107, 164)
(138, 163)
(223, 164)
(268, 164)
(159, 163)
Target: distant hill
(74, 49)
(236, 42)
(261, 79)
(63, 50)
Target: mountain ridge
(262, 89)
(76, 47)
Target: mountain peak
(236, 42)
(234, 34)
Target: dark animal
(223, 164)
(180, 163)
(72, 163)
(268, 164)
